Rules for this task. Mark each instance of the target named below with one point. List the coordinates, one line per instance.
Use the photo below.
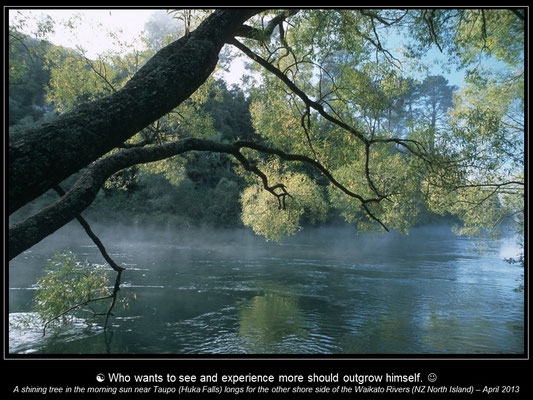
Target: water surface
(324, 291)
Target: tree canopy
(341, 118)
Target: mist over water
(326, 290)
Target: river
(324, 291)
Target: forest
(341, 118)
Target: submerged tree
(322, 114)
(70, 288)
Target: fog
(342, 241)
(324, 242)
(156, 247)
(138, 244)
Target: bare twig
(106, 256)
(92, 235)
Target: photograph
(266, 201)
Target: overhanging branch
(296, 90)
(412, 146)
(35, 228)
(297, 157)
(27, 233)
(41, 157)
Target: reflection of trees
(268, 319)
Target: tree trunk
(43, 156)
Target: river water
(324, 291)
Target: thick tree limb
(35, 228)
(43, 156)
(26, 233)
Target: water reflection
(270, 318)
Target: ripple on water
(26, 333)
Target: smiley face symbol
(100, 377)
(432, 377)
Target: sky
(91, 33)
(91, 27)
(88, 31)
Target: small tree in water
(71, 289)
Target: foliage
(266, 216)
(70, 285)
(224, 209)
(464, 154)
(230, 110)
(331, 88)
(394, 177)
(75, 79)
(27, 79)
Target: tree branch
(322, 169)
(372, 15)
(318, 107)
(43, 156)
(272, 189)
(93, 236)
(33, 229)
(74, 307)
(431, 27)
(112, 296)
(313, 104)
(263, 35)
